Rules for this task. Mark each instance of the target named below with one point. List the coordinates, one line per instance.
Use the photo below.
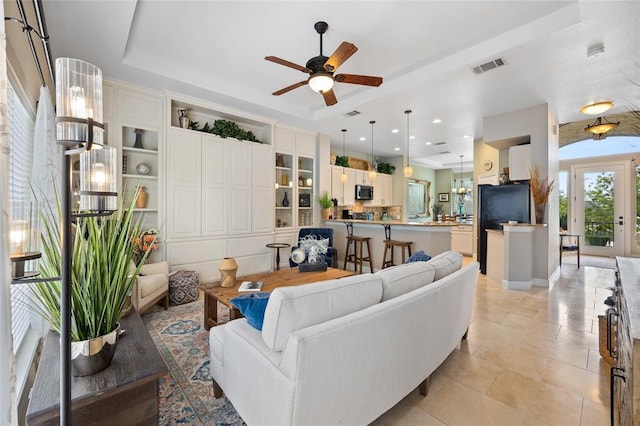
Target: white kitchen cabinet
(519, 162)
(362, 177)
(462, 239)
(383, 190)
(337, 187)
(350, 187)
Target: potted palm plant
(326, 203)
(102, 277)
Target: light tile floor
(531, 358)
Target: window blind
(21, 124)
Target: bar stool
(389, 246)
(357, 257)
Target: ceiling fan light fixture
(600, 127)
(596, 107)
(321, 82)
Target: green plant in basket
(342, 160)
(101, 278)
(325, 200)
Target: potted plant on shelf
(326, 203)
(540, 191)
(102, 277)
(437, 212)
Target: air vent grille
(444, 152)
(353, 113)
(496, 63)
(440, 143)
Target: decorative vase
(539, 211)
(183, 118)
(285, 201)
(93, 355)
(326, 213)
(228, 268)
(143, 169)
(141, 201)
(138, 143)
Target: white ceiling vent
(444, 152)
(496, 63)
(440, 143)
(353, 113)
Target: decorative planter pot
(93, 355)
(141, 201)
(539, 211)
(228, 269)
(326, 213)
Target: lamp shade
(599, 126)
(78, 101)
(597, 107)
(408, 171)
(321, 82)
(98, 181)
(24, 235)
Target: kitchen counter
(432, 237)
(396, 222)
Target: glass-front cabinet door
(284, 190)
(305, 191)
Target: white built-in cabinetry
(519, 162)
(345, 192)
(462, 239)
(383, 190)
(131, 112)
(219, 193)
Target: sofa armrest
(154, 268)
(260, 392)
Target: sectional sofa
(344, 351)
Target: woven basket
(602, 339)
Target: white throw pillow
(293, 308)
(445, 263)
(402, 279)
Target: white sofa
(344, 351)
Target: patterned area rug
(186, 393)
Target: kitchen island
(431, 237)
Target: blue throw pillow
(252, 307)
(418, 256)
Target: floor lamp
(80, 131)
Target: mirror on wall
(418, 200)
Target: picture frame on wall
(443, 197)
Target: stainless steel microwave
(364, 192)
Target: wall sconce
(24, 237)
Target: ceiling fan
(321, 68)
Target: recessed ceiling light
(396, 149)
(427, 143)
(436, 121)
(466, 136)
(395, 131)
(597, 107)
(363, 138)
(412, 137)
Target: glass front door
(599, 206)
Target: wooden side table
(125, 393)
(278, 246)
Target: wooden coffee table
(214, 293)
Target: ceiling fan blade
(289, 88)
(329, 97)
(365, 80)
(287, 64)
(342, 53)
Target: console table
(125, 393)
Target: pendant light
(372, 172)
(343, 177)
(408, 170)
